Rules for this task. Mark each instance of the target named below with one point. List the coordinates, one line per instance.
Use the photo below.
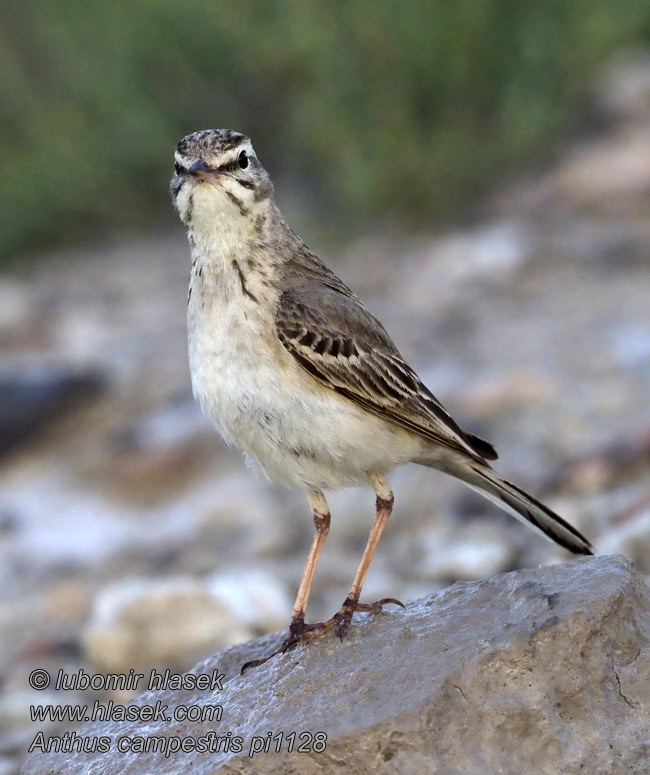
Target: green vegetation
(403, 111)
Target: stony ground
(131, 536)
(549, 665)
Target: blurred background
(487, 162)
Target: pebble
(170, 622)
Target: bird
(295, 370)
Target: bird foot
(301, 632)
(342, 619)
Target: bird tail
(519, 504)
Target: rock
(15, 722)
(156, 454)
(146, 623)
(30, 399)
(486, 256)
(261, 601)
(630, 532)
(7, 766)
(463, 551)
(545, 668)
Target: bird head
(216, 173)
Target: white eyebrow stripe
(226, 158)
(234, 154)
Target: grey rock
(142, 623)
(544, 671)
(30, 399)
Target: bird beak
(198, 168)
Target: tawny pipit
(296, 371)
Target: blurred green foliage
(401, 111)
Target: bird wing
(335, 338)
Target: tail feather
(521, 505)
(481, 446)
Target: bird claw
(300, 633)
(296, 636)
(393, 600)
(375, 608)
(255, 663)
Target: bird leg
(351, 604)
(299, 631)
(321, 513)
(297, 627)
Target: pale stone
(544, 671)
(142, 624)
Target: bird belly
(294, 428)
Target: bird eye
(179, 169)
(242, 160)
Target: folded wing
(335, 338)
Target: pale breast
(261, 400)
(228, 346)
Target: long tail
(520, 504)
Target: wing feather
(336, 339)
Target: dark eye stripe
(231, 166)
